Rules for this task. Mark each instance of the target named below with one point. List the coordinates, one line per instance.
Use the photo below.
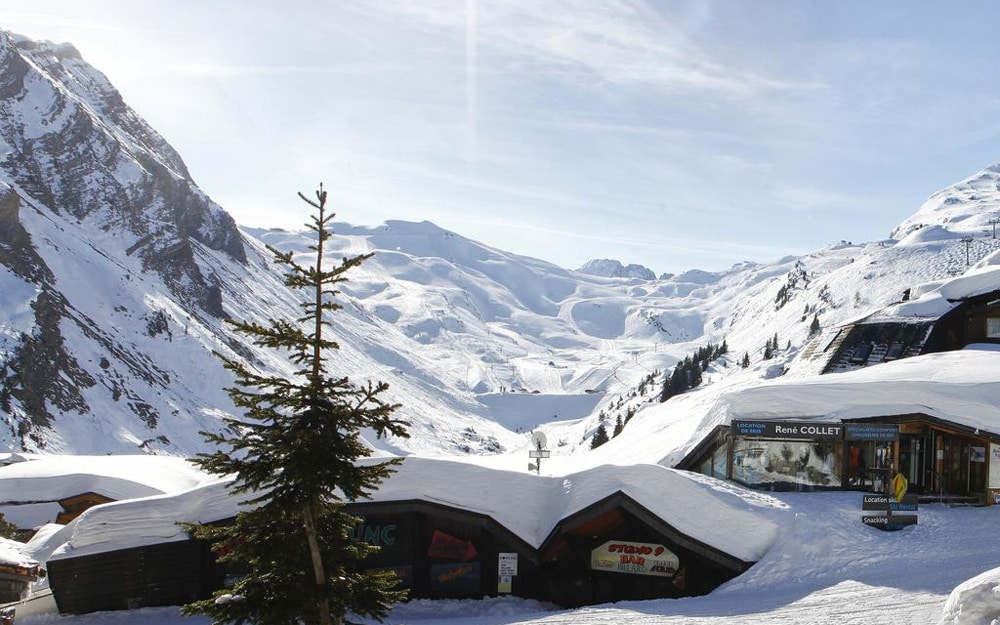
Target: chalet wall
(172, 573)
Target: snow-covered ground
(826, 567)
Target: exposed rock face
(74, 155)
(614, 269)
(72, 144)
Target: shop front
(942, 458)
(937, 457)
(439, 552)
(616, 550)
(787, 455)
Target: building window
(993, 327)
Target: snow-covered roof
(41, 478)
(933, 299)
(962, 387)
(529, 506)
(12, 554)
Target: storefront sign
(889, 523)
(448, 547)
(789, 430)
(375, 534)
(994, 466)
(871, 432)
(456, 579)
(888, 514)
(390, 533)
(875, 502)
(506, 570)
(635, 558)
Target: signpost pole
(539, 452)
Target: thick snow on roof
(934, 299)
(147, 520)
(530, 506)
(42, 478)
(962, 387)
(12, 554)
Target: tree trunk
(322, 602)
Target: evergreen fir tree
(814, 326)
(694, 374)
(600, 437)
(746, 360)
(619, 426)
(293, 455)
(8, 529)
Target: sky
(676, 134)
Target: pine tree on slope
(294, 455)
(600, 437)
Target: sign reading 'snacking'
(888, 513)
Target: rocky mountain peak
(608, 268)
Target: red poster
(447, 547)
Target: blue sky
(675, 134)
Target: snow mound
(974, 602)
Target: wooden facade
(74, 506)
(164, 574)
(938, 458)
(438, 552)
(441, 552)
(571, 578)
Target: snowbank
(974, 602)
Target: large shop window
(787, 464)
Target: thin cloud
(628, 43)
(217, 70)
(71, 23)
(806, 198)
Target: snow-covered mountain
(117, 272)
(614, 269)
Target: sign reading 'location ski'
(885, 513)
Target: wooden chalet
(487, 540)
(585, 560)
(76, 505)
(941, 460)
(883, 337)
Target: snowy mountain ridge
(614, 269)
(117, 272)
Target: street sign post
(538, 440)
(885, 513)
